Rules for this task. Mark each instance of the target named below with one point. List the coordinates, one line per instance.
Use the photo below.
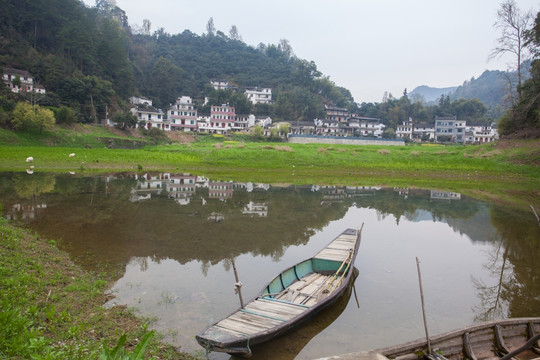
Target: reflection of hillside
(99, 227)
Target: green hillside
(89, 58)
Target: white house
(152, 118)
(140, 100)
(221, 120)
(365, 126)
(39, 89)
(258, 96)
(26, 80)
(263, 121)
(405, 130)
(219, 84)
(328, 127)
(480, 134)
(415, 131)
(243, 122)
(451, 127)
(183, 115)
(336, 113)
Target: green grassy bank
(51, 309)
(503, 167)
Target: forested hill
(85, 56)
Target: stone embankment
(340, 140)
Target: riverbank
(501, 170)
(52, 309)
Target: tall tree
(524, 117)
(513, 24)
(210, 28)
(233, 33)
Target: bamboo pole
(423, 306)
(238, 285)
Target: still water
(168, 240)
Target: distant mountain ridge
(491, 88)
(428, 94)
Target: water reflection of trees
(28, 187)
(515, 267)
(493, 300)
(396, 203)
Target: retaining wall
(311, 139)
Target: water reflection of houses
(147, 185)
(337, 194)
(202, 181)
(444, 195)
(24, 212)
(332, 194)
(220, 190)
(182, 188)
(216, 217)
(252, 209)
(433, 194)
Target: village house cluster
(223, 119)
(447, 129)
(183, 116)
(339, 122)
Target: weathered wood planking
(338, 250)
(301, 290)
(334, 255)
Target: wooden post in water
(238, 285)
(423, 307)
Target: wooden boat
(502, 339)
(290, 299)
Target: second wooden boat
(287, 301)
(515, 338)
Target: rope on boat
(247, 345)
(208, 348)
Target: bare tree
(513, 24)
(210, 28)
(285, 47)
(233, 33)
(146, 27)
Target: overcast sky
(366, 46)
